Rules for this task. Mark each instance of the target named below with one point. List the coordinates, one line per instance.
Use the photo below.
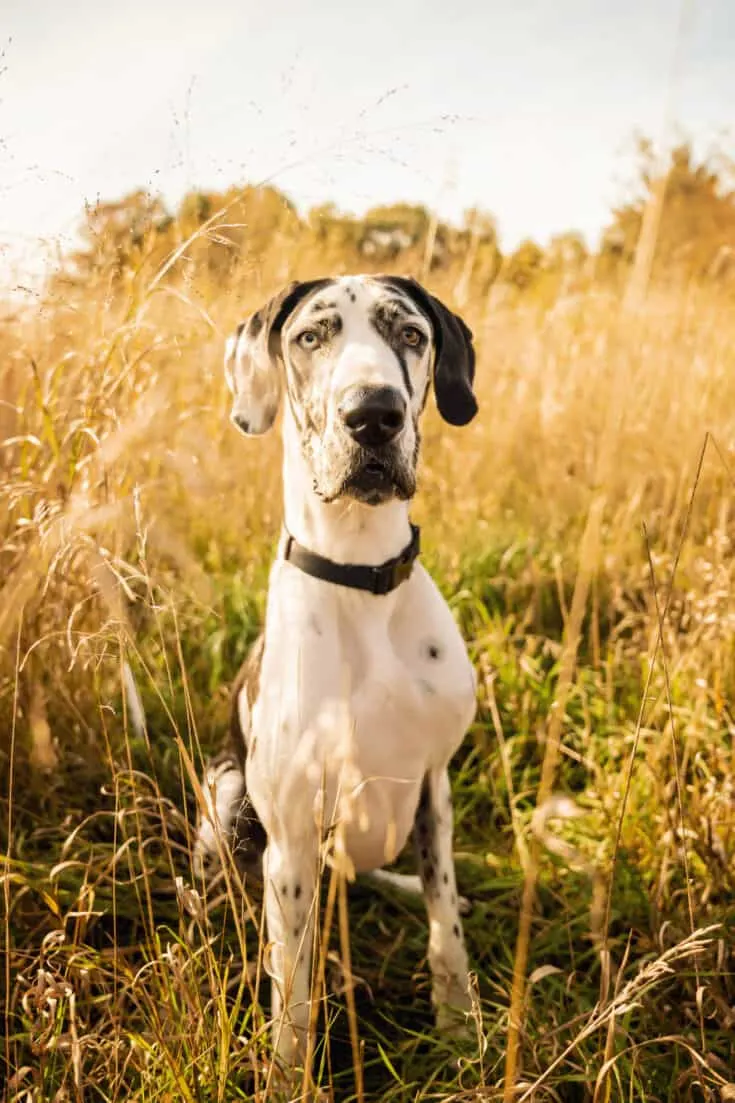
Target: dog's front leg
(290, 885)
(447, 954)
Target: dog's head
(356, 356)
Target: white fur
(410, 883)
(223, 790)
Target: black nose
(373, 415)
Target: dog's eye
(308, 340)
(412, 336)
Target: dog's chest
(358, 701)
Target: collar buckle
(383, 581)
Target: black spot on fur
(284, 890)
(456, 930)
(330, 327)
(425, 853)
(429, 871)
(445, 878)
(296, 932)
(433, 651)
(403, 364)
(297, 892)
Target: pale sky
(526, 108)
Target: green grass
(96, 850)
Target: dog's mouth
(371, 476)
(375, 470)
(376, 479)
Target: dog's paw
(454, 1022)
(452, 1006)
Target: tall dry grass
(136, 529)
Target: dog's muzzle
(373, 418)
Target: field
(582, 529)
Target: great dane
(360, 688)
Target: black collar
(375, 580)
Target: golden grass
(133, 518)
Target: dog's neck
(345, 531)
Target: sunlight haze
(528, 111)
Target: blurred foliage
(249, 224)
(696, 235)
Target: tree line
(213, 234)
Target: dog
(360, 689)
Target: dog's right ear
(253, 357)
(253, 377)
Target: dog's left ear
(454, 357)
(252, 360)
